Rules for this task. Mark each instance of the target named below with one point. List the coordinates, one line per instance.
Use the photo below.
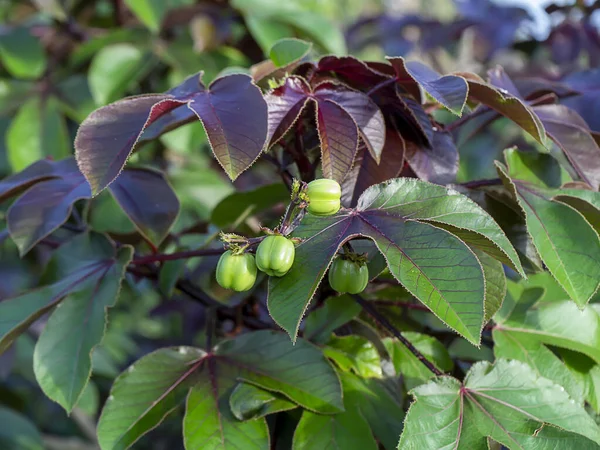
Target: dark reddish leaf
(107, 136)
(416, 116)
(38, 171)
(501, 80)
(532, 88)
(366, 172)
(148, 200)
(234, 115)
(232, 109)
(449, 90)
(352, 71)
(285, 105)
(570, 132)
(362, 110)
(339, 140)
(438, 163)
(507, 105)
(45, 207)
(343, 115)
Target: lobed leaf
(404, 217)
(507, 402)
(232, 110)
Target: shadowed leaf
(570, 132)
(148, 200)
(437, 163)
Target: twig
(392, 329)
(143, 260)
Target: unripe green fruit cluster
(274, 256)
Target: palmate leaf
(232, 110)
(421, 229)
(565, 241)
(153, 386)
(508, 402)
(343, 116)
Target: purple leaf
(449, 90)
(362, 110)
(36, 172)
(343, 115)
(366, 172)
(45, 207)
(285, 105)
(339, 140)
(570, 132)
(107, 136)
(436, 164)
(148, 200)
(232, 109)
(234, 115)
(501, 80)
(352, 71)
(507, 105)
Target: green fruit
(236, 272)
(275, 255)
(324, 197)
(348, 277)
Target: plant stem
(142, 260)
(392, 329)
(482, 183)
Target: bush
(479, 323)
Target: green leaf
(82, 263)
(354, 353)
(586, 202)
(37, 131)
(379, 401)
(113, 70)
(62, 358)
(22, 54)
(404, 217)
(532, 352)
(553, 324)
(244, 204)
(408, 365)
(145, 394)
(271, 20)
(347, 430)
(289, 50)
(152, 12)
(248, 402)
(566, 242)
(17, 432)
(507, 402)
(495, 283)
(169, 274)
(209, 423)
(335, 312)
(89, 402)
